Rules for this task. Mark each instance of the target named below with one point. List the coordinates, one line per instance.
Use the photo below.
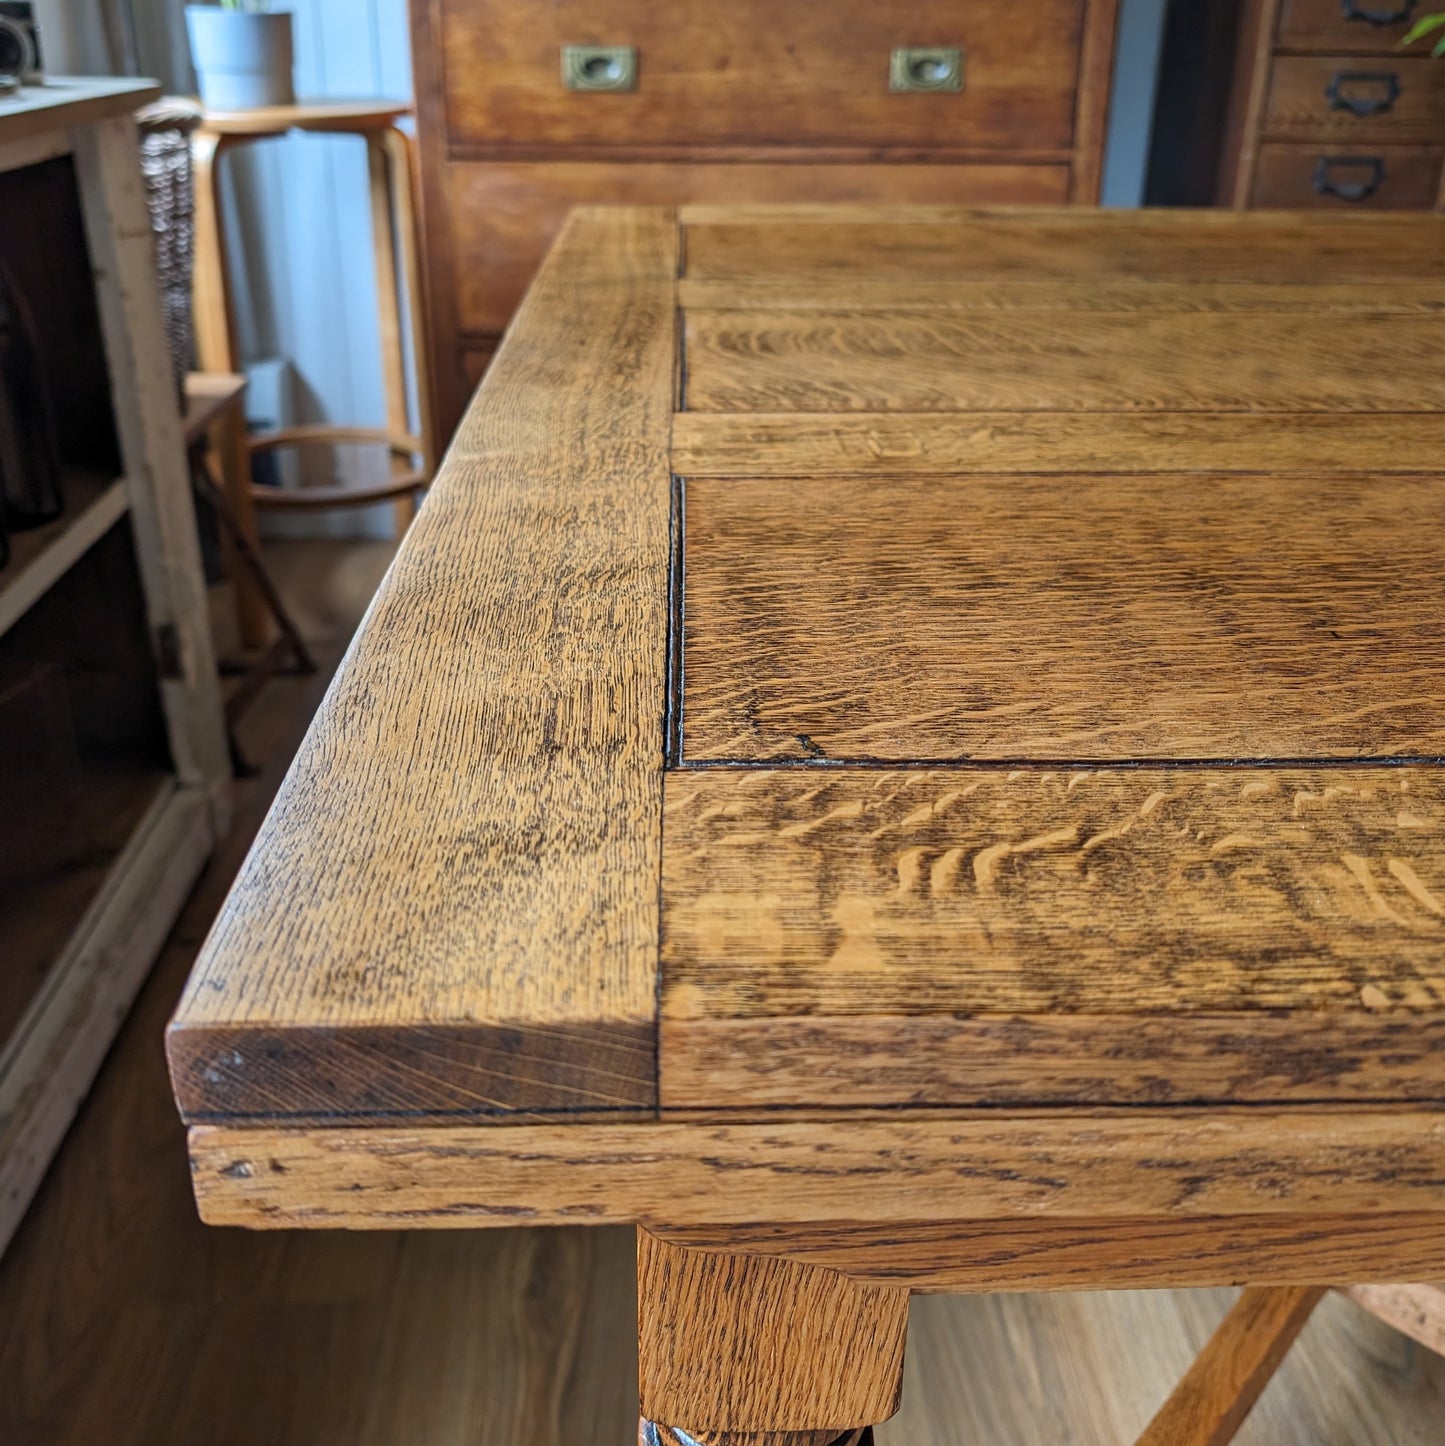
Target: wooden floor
(124, 1321)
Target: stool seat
(347, 117)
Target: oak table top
(908, 741)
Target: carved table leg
(651, 1434)
(744, 1350)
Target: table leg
(651, 1434)
(1209, 1405)
(744, 1350)
(233, 456)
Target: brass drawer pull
(1328, 181)
(599, 67)
(1363, 92)
(1355, 11)
(925, 69)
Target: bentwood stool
(391, 168)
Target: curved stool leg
(210, 287)
(385, 194)
(405, 184)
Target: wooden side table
(214, 426)
(392, 171)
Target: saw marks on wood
(453, 905)
(1083, 617)
(963, 935)
(1066, 360)
(910, 445)
(807, 244)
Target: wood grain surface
(763, 73)
(800, 1062)
(759, 1343)
(1330, 25)
(965, 936)
(1029, 1254)
(1207, 1407)
(845, 291)
(1409, 92)
(952, 361)
(947, 244)
(1068, 1164)
(1202, 888)
(1285, 176)
(912, 445)
(1092, 99)
(505, 214)
(457, 887)
(1087, 617)
(1052, 877)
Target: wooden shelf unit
(81, 936)
(39, 558)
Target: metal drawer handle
(911, 68)
(1327, 185)
(1355, 11)
(1382, 89)
(599, 67)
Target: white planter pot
(243, 59)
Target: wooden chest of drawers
(1328, 113)
(526, 109)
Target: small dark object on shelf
(29, 451)
(20, 57)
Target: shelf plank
(67, 101)
(38, 911)
(38, 559)
(49, 1061)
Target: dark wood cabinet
(756, 101)
(1327, 113)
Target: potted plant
(242, 52)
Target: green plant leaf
(1423, 26)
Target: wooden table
(904, 752)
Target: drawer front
(1356, 99)
(1379, 178)
(756, 73)
(505, 215)
(1377, 25)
